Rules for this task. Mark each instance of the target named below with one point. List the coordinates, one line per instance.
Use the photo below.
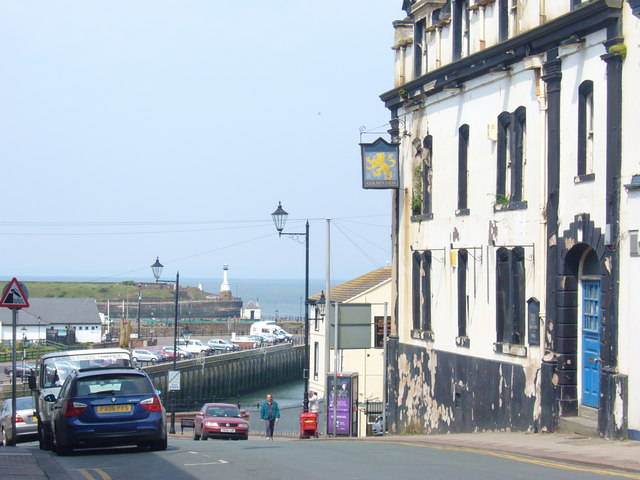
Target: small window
(463, 298)
(463, 153)
(316, 359)
(585, 128)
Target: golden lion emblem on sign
(381, 164)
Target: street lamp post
(279, 220)
(139, 301)
(24, 350)
(156, 268)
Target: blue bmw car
(107, 407)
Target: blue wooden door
(591, 321)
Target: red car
(221, 420)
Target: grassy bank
(127, 290)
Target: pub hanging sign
(380, 165)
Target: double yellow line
(516, 458)
(86, 473)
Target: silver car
(141, 355)
(26, 421)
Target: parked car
(161, 353)
(267, 338)
(182, 354)
(377, 426)
(141, 355)
(105, 407)
(193, 346)
(220, 345)
(21, 371)
(26, 421)
(220, 420)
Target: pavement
(22, 463)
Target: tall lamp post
(156, 268)
(24, 350)
(140, 301)
(279, 220)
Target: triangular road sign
(14, 295)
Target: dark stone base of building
(441, 392)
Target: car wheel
(228, 349)
(195, 435)
(61, 450)
(246, 437)
(44, 440)
(153, 360)
(158, 445)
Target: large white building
(515, 228)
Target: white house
(58, 314)
(373, 288)
(516, 223)
(251, 311)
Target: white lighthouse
(225, 288)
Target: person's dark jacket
(264, 410)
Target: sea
(281, 298)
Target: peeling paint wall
(440, 392)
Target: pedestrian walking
(313, 402)
(270, 414)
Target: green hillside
(127, 290)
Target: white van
(270, 327)
(193, 346)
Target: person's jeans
(270, 422)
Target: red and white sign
(14, 296)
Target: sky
(136, 129)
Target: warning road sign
(15, 295)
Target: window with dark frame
(427, 173)
(511, 156)
(419, 48)
(503, 20)
(510, 295)
(457, 29)
(463, 154)
(585, 128)
(462, 292)
(415, 288)
(316, 359)
(421, 290)
(425, 288)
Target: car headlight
(211, 424)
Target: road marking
(543, 463)
(219, 462)
(86, 473)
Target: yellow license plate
(113, 408)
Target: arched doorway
(578, 332)
(590, 331)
